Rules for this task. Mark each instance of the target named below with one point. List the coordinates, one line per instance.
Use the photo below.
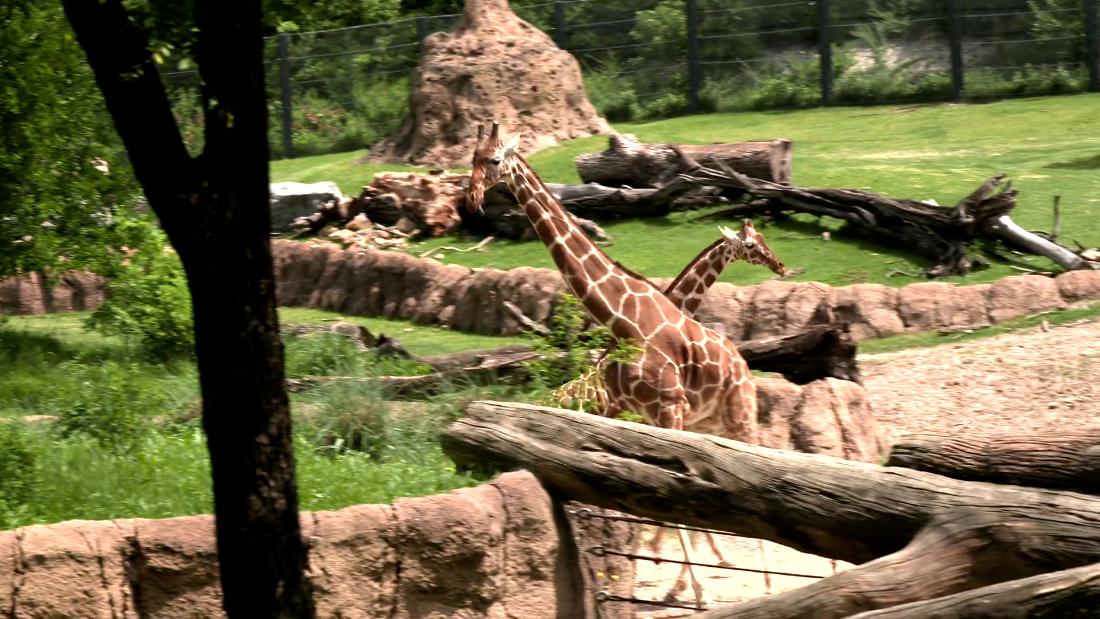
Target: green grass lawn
(1047, 146)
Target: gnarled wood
(957, 535)
(1067, 460)
(1058, 595)
(827, 506)
(818, 351)
(629, 162)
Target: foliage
(109, 404)
(609, 93)
(352, 416)
(18, 460)
(323, 354)
(57, 207)
(148, 298)
(568, 337)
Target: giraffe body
(686, 376)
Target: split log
(818, 351)
(485, 357)
(944, 535)
(628, 162)
(1062, 594)
(1067, 460)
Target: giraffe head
(749, 245)
(490, 156)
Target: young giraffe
(686, 376)
(686, 291)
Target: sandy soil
(1039, 379)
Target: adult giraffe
(686, 375)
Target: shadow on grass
(1081, 163)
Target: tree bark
(1068, 460)
(214, 209)
(1058, 595)
(628, 162)
(955, 535)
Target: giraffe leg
(717, 551)
(767, 570)
(701, 599)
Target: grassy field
(1048, 146)
(123, 437)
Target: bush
(609, 92)
(567, 335)
(108, 402)
(323, 354)
(352, 417)
(17, 471)
(148, 299)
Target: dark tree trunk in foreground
(1068, 460)
(918, 535)
(214, 209)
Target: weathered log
(479, 358)
(818, 351)
(1067, 460)
(827, 506)
(628, 162)
(1011, 232)
(1063, 594)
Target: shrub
(108, 402)
(609, 92)
(323, 354)
(354, 417)
(148, 299)
(567, 335)
(17, 471)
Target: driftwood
(918, 535)
(1068, 460)
(942, 233)
(628, 162)
(1058, 595)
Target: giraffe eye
(494, 161)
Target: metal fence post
(1092, 43)
(695, 70)
(825, 51)
(284, 87)
(561, 34)
(954, 42)
(421, 29)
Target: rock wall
(393, 285)
(489, 551)
(32, 294)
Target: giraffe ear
(729, 234)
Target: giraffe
(686, 291)
(687, 375)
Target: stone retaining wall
(393, 285)
(396, 285)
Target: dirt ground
(1038, 379)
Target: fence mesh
(347, 88)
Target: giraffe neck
(593, 277)
(691, 285)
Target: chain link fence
(342, 89)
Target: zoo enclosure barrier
(346, 88)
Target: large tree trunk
(636, 164)
(1067, 460)
(215, 211)
(928, 535)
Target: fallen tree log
(1068, 460)
(957, 535)
(941, 233)
(817, 351)
(1058, 595)
(629, 162)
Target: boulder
(871, 310)
(1076, 286)
(780, 307)
(494, 66)
(291, 200)
(726, 304)
(827, 416)
(927, 306)
(1021, 295)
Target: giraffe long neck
(691, 285)
(592, 276)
